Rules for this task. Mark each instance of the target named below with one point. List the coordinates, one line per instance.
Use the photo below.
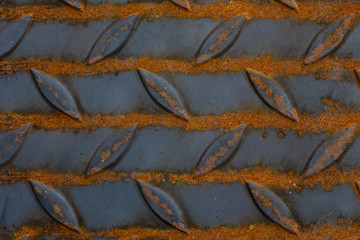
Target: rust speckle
(219, 151)
(220, 39)
(330, 42)
(273, 206)
(164, 94)
(157, 201)
(272, 94)
(163, 205)
(55, 205)
(110, 151)
(56, 94)
(330, 150)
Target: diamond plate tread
(127, 119)
(287, 39)
(135, 212)
(203, 94)
(203, 206)
(153, 148)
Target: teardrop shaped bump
(328, 39)
(163, 205)
(12, 34)
(220, 39)
(113, 39)
(357, 75)
(111, 150)
(11, 143)
(330, 150)
(55, 205)
(272, 94)
(273, 207)
(56, 94)
(182, 3)
(163, 93)
(291, 4)
(73, 3)
(219, 151)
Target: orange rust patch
(346, 230)
(157, 201)
(259, 83)
(286, 221)
(331, 106)
(58, 212)
(331, 41)
(318, 11)
(279, 102)
(19, 136)
(327, 178)
(171, 102)
(330, 122)
(266, 65)
(211, 161)
(332, 151)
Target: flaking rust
(163, 93)
(329, 39)
(56, 94)
(11, 144)
(272, 94)
(111, 150)
(219, 151)
(273, 207)
(163, 205)
(12, 35)
(113, 39)
(220, 39)
(330, 150)
(55, 205)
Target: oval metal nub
(11, 143)
(113, 39)
(328, 39)
(272, 94)
(163, 93)
(56, 94)
(73, 3)
(111, 150)
(182, 3)
(273, 207)
(163, 205)
(357, 74)
(328, 151)
(12, 34)
(55, 205)
(219, 151)
(220, 39)
(290, 3)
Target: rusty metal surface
(200, 119)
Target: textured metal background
(179, 119)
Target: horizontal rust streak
(266, 65)
(263, 176)
(347, 230)
(318, 11)
(330, 122)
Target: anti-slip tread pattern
(180, 126)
